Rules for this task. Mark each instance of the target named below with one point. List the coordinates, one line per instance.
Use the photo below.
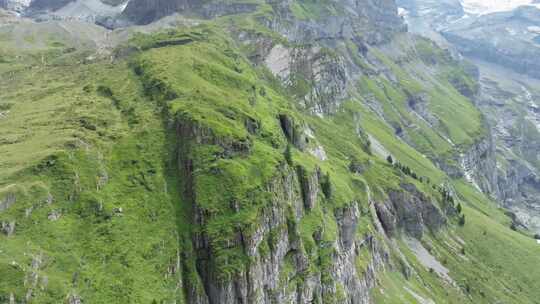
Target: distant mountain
(51, 5)
(503, 39)
(14, 5)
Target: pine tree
(513, 226)
(462, 220)
(390, 159)
(458, 207)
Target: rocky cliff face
(145, 11)
(410, 211)
(508, 38)
(52, 5)
(314, 64)
(510, 102)
(477, 165)
(504, 166)
(282, 260)
(375, 21)
(281, 268)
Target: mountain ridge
(295, 153)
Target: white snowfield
(483, 7)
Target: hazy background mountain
(502, 38)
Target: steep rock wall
(145, 11)
(279, 268)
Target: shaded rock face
(8, 228)
(74, 299)
(522, 60)
(275, 248)
(52, 5)
(504, 47)
(478, 164)
(294, 131)
(374, 20)
(348, 218)
(320, 78)
(420, 105)
(146, 11)
(319, 75)
(201, 135)
(503, 38)
(510, 102)
(101, 12)
(7, 202)
(410, 211)
(309, 184)
(514, 179)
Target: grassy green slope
(94, 144)
(95, 203)
(488, 261)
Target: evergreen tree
(513, 226)
(389, 159)
(462, 220)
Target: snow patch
(534, 29)
(484, 7)
(402, 12)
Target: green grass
(460, 121)
(93, 155)
(101, 145)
